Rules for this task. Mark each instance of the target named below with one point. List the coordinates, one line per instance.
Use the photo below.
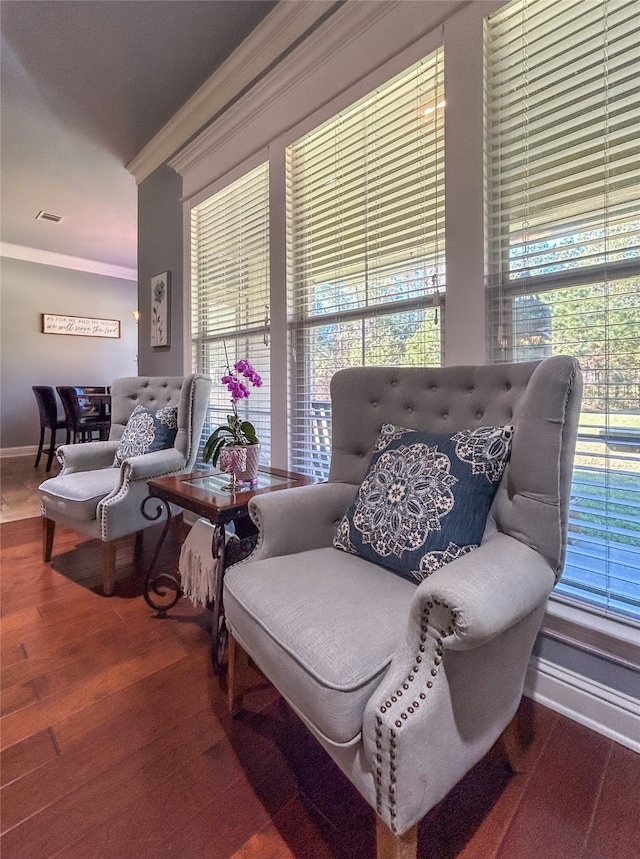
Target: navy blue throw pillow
(425, 498)
(147, 431)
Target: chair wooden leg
(236, 675)
(392, 846)
(108, 566)
(52, 449)
(40, 446)
(48, 530)
(513, 746)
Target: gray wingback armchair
(408, 685)
(95, 497)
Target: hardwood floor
(116, 742)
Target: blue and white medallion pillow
(146, 431)
(425, 498)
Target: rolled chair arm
(299, 519)
(155, 464)
(120, 513)
(86, 457)
(481, 610)
(485, 591)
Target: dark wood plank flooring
(116, 742)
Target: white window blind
(366, 234)
(563, 132)
(230, 295)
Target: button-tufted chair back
(531, 503)
(155, 392)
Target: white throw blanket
(197, 566)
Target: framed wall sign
(81, 326)
(160, 318)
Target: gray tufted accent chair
(407, 686)
(92, 496)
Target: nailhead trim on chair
(409, 709)
(378, 767)
(126, 481)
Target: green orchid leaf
(218, 438)
(216, 453)
(235, 431)
(249, 432)
(209, 449)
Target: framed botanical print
(160, 312)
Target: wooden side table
(208, 494)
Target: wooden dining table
(103, 401)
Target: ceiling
(85, 84)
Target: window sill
(603, 636)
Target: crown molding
(342, 28)
(62, 261)
(287, 23)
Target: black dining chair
(49, 419)
(79, 422)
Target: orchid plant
(235, 430)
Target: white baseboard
(605, 710)
(29, 450)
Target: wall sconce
(136, 315)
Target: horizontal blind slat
(230, 291)
(366, 240)
(563, 245)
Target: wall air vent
(47, 216)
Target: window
(230, 295)
(564, 254)
(366, 236)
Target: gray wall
(29, 357)
(160, 249)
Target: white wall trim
(598, 707)
(29, 450)
(608, 637)
(63, 261)
(281, 28)
(281, 99)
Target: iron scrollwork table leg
(219, 628)
(161, 583)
